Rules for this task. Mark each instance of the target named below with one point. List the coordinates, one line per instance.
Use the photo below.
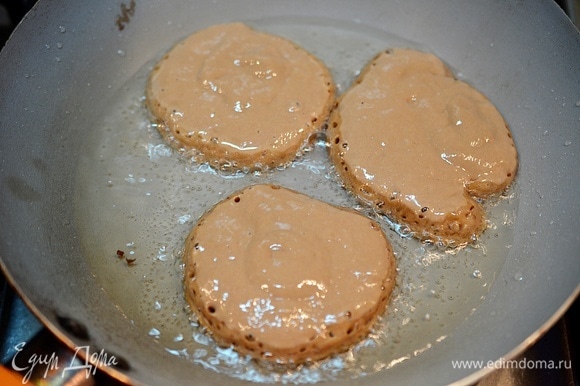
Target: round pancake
(421, 146)
(239, 99)
(285, 277)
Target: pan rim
(476, 376)
(54, 328)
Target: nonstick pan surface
(83, 173)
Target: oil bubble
(154, 333)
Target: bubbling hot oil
(145, 198)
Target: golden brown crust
(454, 225)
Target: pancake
(423, 147)
(285, 277)
(238, 98)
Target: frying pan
(68, 62)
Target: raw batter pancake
(285, 277)
(238, 98)
(421, 146)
